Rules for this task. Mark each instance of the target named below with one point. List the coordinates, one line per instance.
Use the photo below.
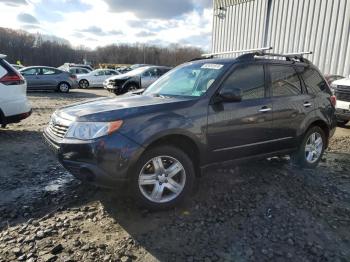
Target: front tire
(63, 87)
(162, 177)
(311, 148)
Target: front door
(32, 76)
(241, 129)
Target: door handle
(265, 109)
(307, 104)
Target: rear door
(291, 104)
(50, 78)
(241, 129)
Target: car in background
(341, 89)
(136, 79)
(48, 78)
(14, 105)
(95, 78)
(17, 67)
(79, 70)
(67, 66)
(331, 78)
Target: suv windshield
(191, 79)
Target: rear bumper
(16, 118)
(104, 161)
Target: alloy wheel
(313, 147)
(162, 179)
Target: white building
(320, 26)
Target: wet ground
(266, 211)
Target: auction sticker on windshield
(212, 66)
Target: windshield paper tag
(212, 66)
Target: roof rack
(211, 55)
(287, 56)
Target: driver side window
(249, 79)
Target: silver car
(48, 78)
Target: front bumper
(343, 110)
(104, 161)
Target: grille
(58, 130)
(342, 96)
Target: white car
(14, 105)
(341, 90)
(95, 78)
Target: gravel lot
(265, 211)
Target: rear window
(284, 81)
(314, 81)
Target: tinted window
(250, 79)
(284, 81)
(313, 81)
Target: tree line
(31, 49)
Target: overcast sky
(100, 22)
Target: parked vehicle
(331, 78)
(14, 105)
(342, 92)
(17, 67)
(139, 78)
(67, 66)
(48, 78)
(79, 70)
(95, 78)
(201, 113)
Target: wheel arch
(323, 125)
(181, 141)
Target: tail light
(333, 100)
(12, 78)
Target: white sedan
(95, 78)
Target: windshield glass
(191, 79)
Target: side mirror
(231, 95)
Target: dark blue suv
(201, 113)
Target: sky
(93, 23)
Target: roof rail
(211, 55)
(287, 56)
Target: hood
(342, 82)
(110, 108)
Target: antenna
(237, 51)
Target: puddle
(55, 185)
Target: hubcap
(313, 147)
(64, 87)
(162, 179)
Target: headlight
(92, 130)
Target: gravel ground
(265, 211)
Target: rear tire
(63, 87)
(311, 148)
(84, 83)
(162, 177)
